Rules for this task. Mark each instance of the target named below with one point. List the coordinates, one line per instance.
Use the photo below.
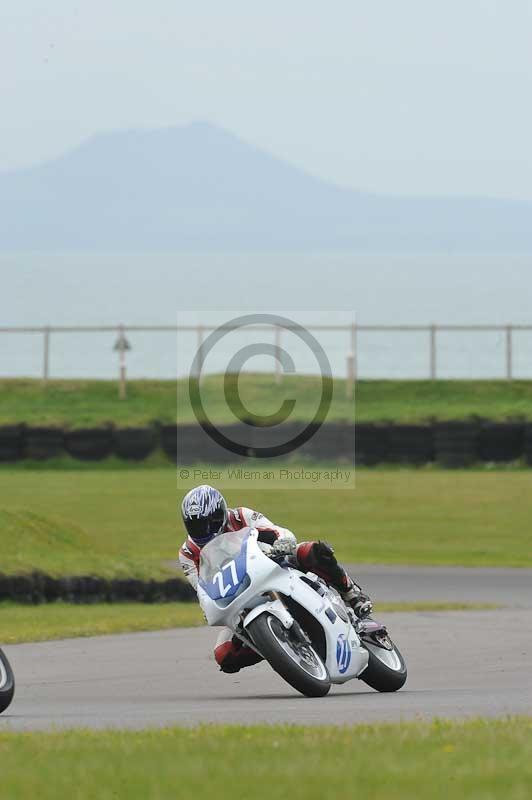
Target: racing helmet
(204, 513)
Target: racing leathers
(230, 652)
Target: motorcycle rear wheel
(386, 670)
(294, 660)
(7, 683)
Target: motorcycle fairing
(267, 578)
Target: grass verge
(79, 403)
(20, 623)
(116, 523)
(60, 546)
(488, 759)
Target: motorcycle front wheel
(292, 658)
(7, 682)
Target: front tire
(386, 670)
(293, 659)
(7, 683)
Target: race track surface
(397, 583)
(460, 664)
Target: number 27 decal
(233, 578)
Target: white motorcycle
(7, 682)
(294, 620)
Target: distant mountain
(199, 187)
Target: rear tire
(7, 683)
(386, 670)
(292, 659)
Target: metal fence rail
(353, 333)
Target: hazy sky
(416, 96)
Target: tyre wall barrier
(168, 438)
(195, 445)
(189, 444)
(89, 444)
(455, 443)
(38, 587)
(451, 444)
(134, 444)
(501, 441)
(372, 443)
(410, 444)
(528, 444)
(43, 443)
(330, 442)
(11, 442)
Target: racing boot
(232, 654)
(359, 602)
(319, 557)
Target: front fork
(275, 606)
(294, 625)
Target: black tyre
(410, 444)
(292, 658)
(455, 443)
(43, 443)
(334, 440)
(11, 442)
(89, 444)
(134, 444)
(169, 441)
(372, 444)
(386, 670)
(7, 683)
(501, 441)
(528, 444)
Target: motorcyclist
(206, 515)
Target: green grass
(424, 606)
(21, 623)
(58, 546)
(77, 403)
(117, 522)
(52, 545)
(157, 460)
(472, 760)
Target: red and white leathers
(230, 653)
(237, 518)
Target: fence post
(351, 363)
(46, 355)
(121, 345)
(122, 357)
(278, 372)
(433, 352)
(509, 353)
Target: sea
(308, 289)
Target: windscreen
(219, 551)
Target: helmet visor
(203, 529)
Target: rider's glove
(283, 547)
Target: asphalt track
(460, 664)
(501, 586)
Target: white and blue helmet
(204, 513)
